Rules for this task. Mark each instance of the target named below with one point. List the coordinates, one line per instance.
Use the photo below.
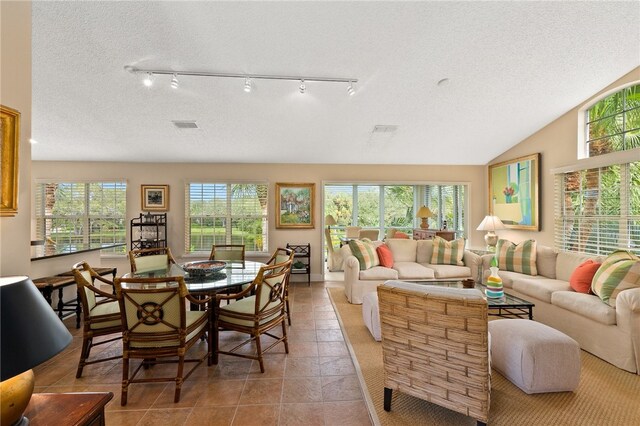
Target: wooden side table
(67, 409)
(429, 234)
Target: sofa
(610, 333)
(411, 263)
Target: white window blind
(447, 202)
(226, 213)
(72, 214)
(597, 210)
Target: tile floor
(315, 384)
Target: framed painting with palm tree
(295, 205)
(513, 192)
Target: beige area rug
(606, 395)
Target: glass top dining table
(233, 275)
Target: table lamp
(491, 224)
(424, 213)
(330, 221)
(30, 333)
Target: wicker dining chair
(352, 231)
(371, 234)
(233, 253)
(260, 308)
(281, 255)
(100, 313)
(435, 346)
(150, 259)
(156, 326)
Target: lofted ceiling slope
(513, 67)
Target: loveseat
(411, 262)
(608, 332)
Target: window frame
(228, 218)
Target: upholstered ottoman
(371, 314)
(533, 356)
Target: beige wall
(558, 146)
(176, 175)
(15, 92)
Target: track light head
(247, 85)
(303, 87)
(148, 80)
(174, 82)
(350, 90)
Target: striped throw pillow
(517, 257)
(365, 252)
(447, 252)
(619, 271)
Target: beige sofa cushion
(539, 288)
(508, 277)
(403, 250)
(449, 271)
(424, 251)
(587, 305)
(546, 261)
(379, 273)
(412, 271)
(566, 263)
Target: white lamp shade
(491, 223)
(329, 220)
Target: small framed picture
(155, 197)
(295, 205)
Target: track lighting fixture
(350, 90)
(149, 75)
(148, 80)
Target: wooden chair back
(150, 259)
(233, 253)
(371, 234)
(352, 231)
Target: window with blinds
(226, 213)
(447, 202)
(598, 210)
(75, 214)
(613, 123)
(393, 206)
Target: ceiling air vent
(185, 124)
(385, 128)
(382, 133)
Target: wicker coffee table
(507, 306)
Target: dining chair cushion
(191, 317)
(246, 306)
(153, 262)
(111, 307)
(91, 296)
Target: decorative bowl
(202, 268)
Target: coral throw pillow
(385, 256)
(399, 234)
(581, 278)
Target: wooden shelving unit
(301, 260)
(149, 230)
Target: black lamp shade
(31, 333)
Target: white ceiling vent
(185, 124)
(385, 128)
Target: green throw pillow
(365, 252)
(517, 257)
(619, 271)
(447, 252)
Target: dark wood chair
(281, 255)
(157, 326)
(260, 308)
(150, 259)
(100, 313)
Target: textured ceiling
(513, 67)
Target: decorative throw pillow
(399, 234)
(517, 257)
(447, 252)
(619, 271)
(365, 252)
(385, 256)
(582, 276)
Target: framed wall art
(295, 205)
(155, 197)
(513, 192)
(9, 149)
